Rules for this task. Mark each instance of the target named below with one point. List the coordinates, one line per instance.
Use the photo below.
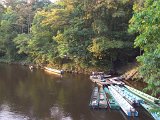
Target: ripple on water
(7, 114)
(58, 113)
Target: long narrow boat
(125, 106)
(96, 80)
(143, 95)
(133, 99)
(99, 81)
(53, 70)
(111, 101)
(94, 98)
(116, 82)
(102, 99)
(153, 109)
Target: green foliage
(80, 34)
(7, 33)
(22, 41)
(99, 27)
(102, 44)
(41, 46)
(146, 23)
(62, 44)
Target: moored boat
(111, 101)
(102, 99)
(116, 82)
(53, 70)
(129, 96)
(143, 95)
(153, 109)
(125, 106)
(94, 98)
(100, 82)
(106, 76)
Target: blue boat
(94, 98)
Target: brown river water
(38, 95)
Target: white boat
(106, 76)
(99, 81)
(53, 70)
(133, 99)
(125, 106)
(116, 82)
(111, 101)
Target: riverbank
(126, 70)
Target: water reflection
(37, 95)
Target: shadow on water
(37, 95)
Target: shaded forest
(83, 35)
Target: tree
(8, 30)
(22, 42)
(78, 26)
(111, 41)
(41, 46)
(86, 33)
(145, 22)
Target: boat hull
(125, 106)
(94, 102)
(54, 71)
(111, 101)
(154, 110)
(102, 99)
(143, 95)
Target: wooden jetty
(143, 95)
(125, 106)
(111, 101)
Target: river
(38, 95)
